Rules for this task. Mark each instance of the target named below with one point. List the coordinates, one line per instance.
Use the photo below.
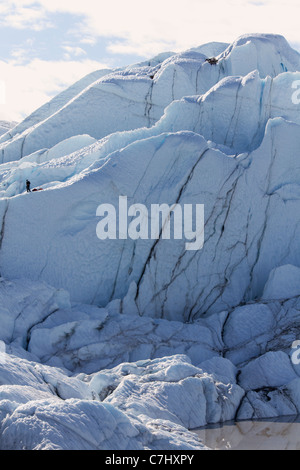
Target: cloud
(72, 52)
(30, 86)
(179, 25)
(21, 54)
(149, 49)
(22, 17)
(144, 28)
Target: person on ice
(28, 186)
(212, 61)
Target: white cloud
(34, 18)
(30, 86)
(177, 24)
(89, 40)
(71, 52)
(149, 49)
(21, 54)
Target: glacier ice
(148, 381)
(283, 282)
(131, 344)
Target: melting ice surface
(268, 434)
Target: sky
(46, 45)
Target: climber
(28, 186)
(212, 61)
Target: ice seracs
(139, 100)
(241, 368)
(130, 343)
(283, 282)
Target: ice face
(132, 332)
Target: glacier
(132, 344)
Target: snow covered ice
(134, 343)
